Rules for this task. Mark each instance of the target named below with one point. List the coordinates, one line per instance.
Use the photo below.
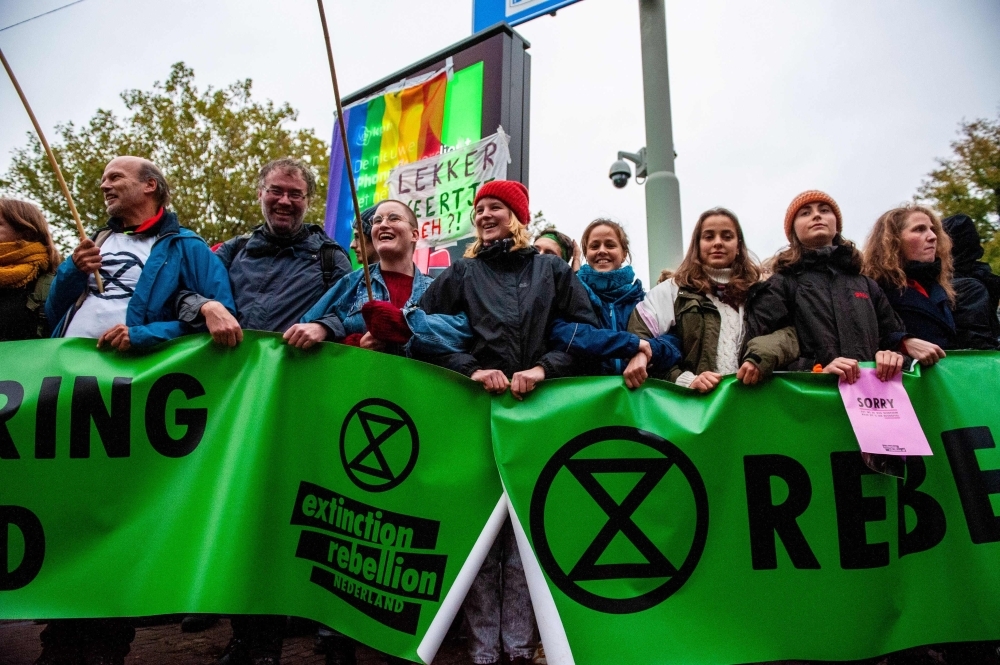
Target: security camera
(620, 173)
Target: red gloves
(354, 339)
(385, 322)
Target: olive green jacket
(697, 325)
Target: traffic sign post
(487, 13)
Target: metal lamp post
(663, 198)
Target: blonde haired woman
(511, 295)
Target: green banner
(361, 490)
(742, 526)
(335, 484)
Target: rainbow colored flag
(400, 126)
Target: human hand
(923, 352)
(846, 368)
(705, 382)
(87, 256)
(577, 256)
(635, 374)
(748, 373)
(116, 337)
(386, 322)
(305, 335)
(371, 343)
(224, 327)
(888, 364)
(524, 382)
(493, 380)
(646, 349)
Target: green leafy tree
(210, 145)
(969, 182)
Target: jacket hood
(965, 247)
(841, 257)
(502, 252)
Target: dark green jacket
(698, 324)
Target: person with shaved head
(143, 256)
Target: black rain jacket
(837, 311)
(512, 299)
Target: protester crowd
(514, 312)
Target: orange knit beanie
(805, 198)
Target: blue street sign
(490, 12)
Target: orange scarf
(20, 262)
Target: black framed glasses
(292, 194)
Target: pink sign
(882, 416)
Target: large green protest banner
(742, 526)
(361, 490)
(336, 484)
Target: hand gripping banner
(742, 526)
(339, 485)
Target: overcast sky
(769, 98)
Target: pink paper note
(882, 417)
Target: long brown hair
(30, 225)
(522, 238)
(883, 255)
(691, 273)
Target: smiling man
(280, 269)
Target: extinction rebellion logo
(378, 445)
(382, 563)
(619, 533)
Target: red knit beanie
(513, 194)
(805, 198)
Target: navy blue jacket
(925, 317)
(179, 258)
(611, 343)
(277, 280)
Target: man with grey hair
(143, 256)
(280, 269)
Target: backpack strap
(327, 263)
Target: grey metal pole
(663, 197)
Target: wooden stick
(347, 154)
(52, 161)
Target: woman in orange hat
(841, 317)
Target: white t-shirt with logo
(123, 256)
